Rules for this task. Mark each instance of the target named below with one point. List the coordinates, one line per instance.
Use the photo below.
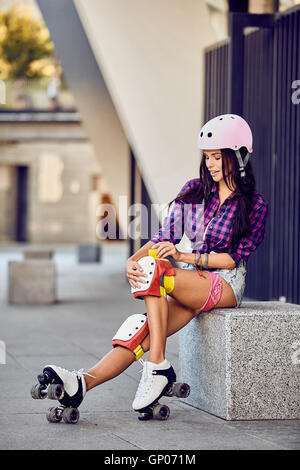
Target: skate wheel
(181, 390)
(54, 415)
(44, 379)
(161, 412)
(38, 392)
(145, 416)
(71, 415)
(55, 392)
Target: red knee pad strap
(155, 270)
(131, 334)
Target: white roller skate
(69, 388)
(157, 380)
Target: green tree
(25, 45)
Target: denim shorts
(234, 277)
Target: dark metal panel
(271, 63)
(216, 80)
(258, 102)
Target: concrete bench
(89, 253)
(244, 363)
(32, 282)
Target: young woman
(224, 217)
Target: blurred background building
(104, 100)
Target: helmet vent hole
(201, 135)
(209, 134)
(221, 119)
(232, 117)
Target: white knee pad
(131, 333)
(156, 271)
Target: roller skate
(67, 387)
(157, 380)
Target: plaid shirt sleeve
(248, 244)
(173, 227)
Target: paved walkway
(93, 300)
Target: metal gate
(270, 72)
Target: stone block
(244, 363)
(32, 282)
(38, 254)
(89, 253)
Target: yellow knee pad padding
(168, 281)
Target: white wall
(151, 55)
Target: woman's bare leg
(187, 289)
(157, 314)
(119, 359)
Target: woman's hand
(164, 249)
(134, 273)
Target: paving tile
(74, 333)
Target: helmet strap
(241, 162)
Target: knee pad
(168, 281)
(131, 333)
(159, 280)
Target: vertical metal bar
(289, 163)
(272, 225)
(270, 149)
(214, 80)
(145, 216)
(211, 88)
(236, 59)
(277, 168)
(269, 34)
(222, 84)
(279, 195)
(296, 166)
(207, 88)
(218, 75)
(297, 172)
(225, 75)
(284, 209)
(293, 153)
(132, 197)
(206, 91)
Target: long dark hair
(244, 189)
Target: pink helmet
(227, 131)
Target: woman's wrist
(179, 257)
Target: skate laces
(76, 373)
(81, 372)
(141, 361)
(146, 379)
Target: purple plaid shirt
(209, 232)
